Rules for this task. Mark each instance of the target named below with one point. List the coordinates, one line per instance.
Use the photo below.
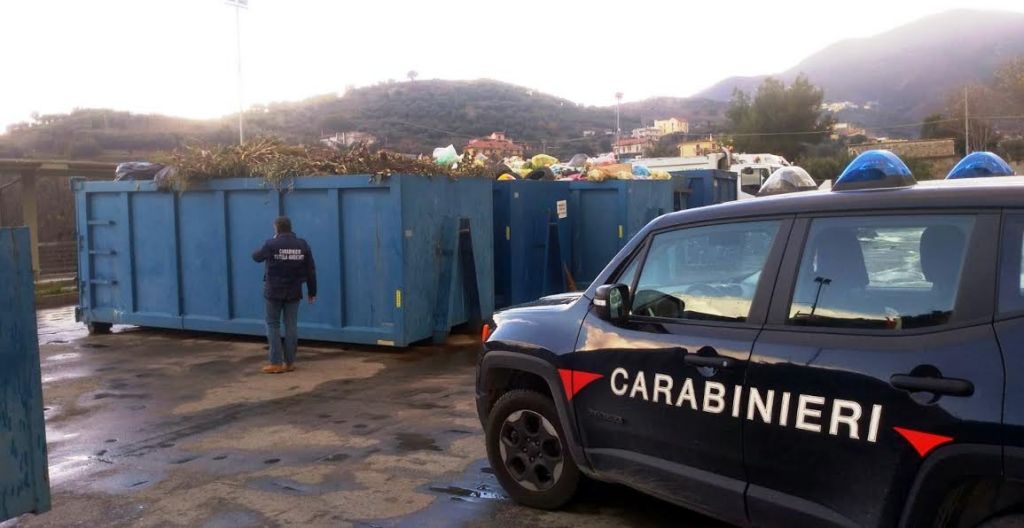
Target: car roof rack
(875, 169)
(980, 165)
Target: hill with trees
(413, 117)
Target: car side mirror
(611, 301)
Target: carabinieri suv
(843, 358)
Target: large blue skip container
(697, 188)
(532, 240)
(398, 260)
(605, 215)
(24, 484)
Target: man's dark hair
(283, 224)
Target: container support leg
(449, 241)
(556, 264)
(470, 287)
(456, 240)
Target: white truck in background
(752, 169)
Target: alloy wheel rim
(531, 450)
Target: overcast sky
(178, 56)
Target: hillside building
(495, 145)
(672, 125)
(651, 133)
(631, 147)
(347, 139)
(847, 130)
(698, 147)
(839, 106)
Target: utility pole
(967, 128)
(618, 125)
(239, 5)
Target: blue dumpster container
(24, 485)
(697, 188)
(398, 260)
(532, 240)
(605, 215)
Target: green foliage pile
(277, 163)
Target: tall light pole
(618, 126)
(239, 5)
(967, 128)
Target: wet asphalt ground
(163, 428)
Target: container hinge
(100, 222)
(102, 252)
(103, 282)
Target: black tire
(542, 473)
(96, 328)
(1005, 521)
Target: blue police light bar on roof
(980, 165)
(875, 169)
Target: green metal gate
(24, 482)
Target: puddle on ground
(64, 357)
(416, 442)
(127, 481)
(234, 518)
(66, 375)
(287, 485)
(120, 396)
(483, 491)
(66, 467)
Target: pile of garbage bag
(546, 167)
(143, 171)
(579, 167)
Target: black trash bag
(543, 173)
(504, 169)
(136, 171)
(165, 174)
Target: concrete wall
(56, 208)
(925, 148)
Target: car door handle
(709, 361)
(939, 385)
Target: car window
(880, 272)
(705, 273)
(1011, 274)
(629, 274)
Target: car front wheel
(527, 450)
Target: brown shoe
(289, 367)
(273, 369)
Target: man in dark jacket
(289, 263)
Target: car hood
(550, 300)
